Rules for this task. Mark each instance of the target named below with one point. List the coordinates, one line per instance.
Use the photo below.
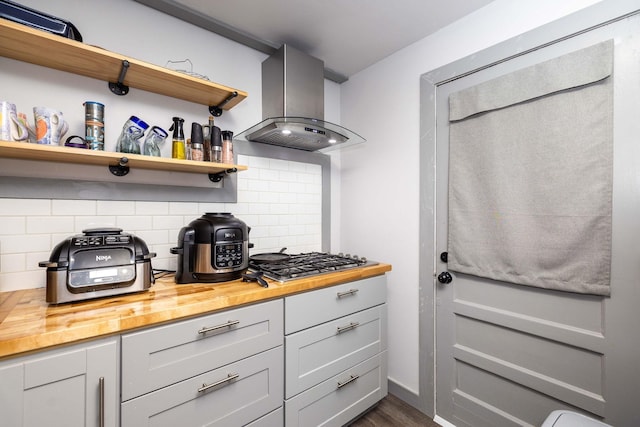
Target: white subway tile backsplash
(50, 224)
(279, 165)
(73, 207)
(152, 208)
(13, 225)
(153, 237)
(183, 208)
(22, 280)
(269, 174)
(299, 167)
(24, 207)
(267, 197)
(280, 200)
(25, 243)
(119, 207)
(258, 185)
(33, 258)
(98, 221)
(135, 222)
(11, 263)
(167, 222)
(210, 207)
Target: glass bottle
(206, 147)
(178, 146)
(132, 131)
(216, 145)
(197, 138)
(227, 147)
(153, 141)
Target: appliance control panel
(228, 248)
(83, 241)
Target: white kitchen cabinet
(317, 353)
(335, 352)
(233, 395)
(222, 369)
(272, 419)
(75, 386)
(341, 398)
(319, 306)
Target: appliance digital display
(95, 274)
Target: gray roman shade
(530, 175)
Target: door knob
(445, 277)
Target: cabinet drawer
(272, 419)
(311, 308)
(234, 401)
(318, 353)
(341, 398)
(165, 355)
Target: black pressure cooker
(212, 248)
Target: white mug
(11, 128)
(50, 125)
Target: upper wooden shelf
(54, 153)
(42, 48)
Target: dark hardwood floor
(392, 412)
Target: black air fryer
(212, 248)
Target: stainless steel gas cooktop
(308, 264)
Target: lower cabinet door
(233, 395)
(75, 386)
(340, 399)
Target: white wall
(379, 180)
(280, 200)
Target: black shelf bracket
(216, 110)
(119, 88)
(121, 169)
(217, 177)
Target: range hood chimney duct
(293, 105)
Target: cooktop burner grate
(308, 264)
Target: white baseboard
(442, 422)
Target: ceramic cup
(50, 125)
(11, 128)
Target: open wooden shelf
(53, 153)
(42, 48)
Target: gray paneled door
(508, 355)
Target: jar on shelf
(132, 131)
(227, 147)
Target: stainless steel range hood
(293, 105)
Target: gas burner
(308, 264)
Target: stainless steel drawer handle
(101, 406)
(215, 328)
(347, 293)
(349, 327)
(351, 379)
(230, 377)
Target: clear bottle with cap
(216, 145)
(227, 147)
(197, 142)
(178, 150)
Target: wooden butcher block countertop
(28, 323)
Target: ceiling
(348, 35)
